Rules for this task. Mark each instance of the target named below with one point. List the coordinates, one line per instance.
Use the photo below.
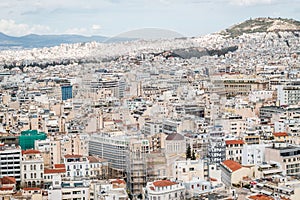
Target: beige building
(32, 169)
(287, 156)
(67, 144)
(175, 144)
(233, 172)
(186, 170)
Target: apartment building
(288, 156)
(288, 94)
(10, 161)
(32, 168)
(234, 150)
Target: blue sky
(112, 17)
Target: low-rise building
(164, 189)
(233, 172)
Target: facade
(175, 144)
(233, 172)
(253, 154)
(32, 169)
(288, 94)
(66, 92)
(188, 169)
(234, 150)
(287, 156)
(10, 162)
(68, 189)
(112, 149)
(164, 189)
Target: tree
(188, 152)
(193, 155)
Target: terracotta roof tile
(280, 134)
(54, 171)
(118, 181)
(6, 188)
(59, 166)
(232, 165)
(73, 156)
(93, 159)
(228, 142)
(31, 151)
(8, 180)
(163, 183)
(32, 188)
(175, 136)
(261, 197)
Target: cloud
(10, 27)
(250, 2)
(94, 29)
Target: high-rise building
(10, 161)
(66, 92)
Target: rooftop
(228, 142)
(280, 134)
(232, 165)
(175, 136)
(163, 183)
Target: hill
(40, 41)
(263, 25)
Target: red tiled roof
(228, 142)
(54, 171)
(232, 165)
(93, 159)
(59, 166)
(280, 134)
(31, 151)
(73, 156)
(32, 188)
(261, 197)
(213, 179)
(163, 183)
(6, 188)
(118, 181)
(8, 180)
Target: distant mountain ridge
(262, 24)
(39, 41)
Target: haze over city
(112, 17)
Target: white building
(187, 169)
(32, 168)
(10, 161)
(253, 154)
(164, 189)
(288, 94)
(68, 189)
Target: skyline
(113, 17)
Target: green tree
(193, 155)
(188, 152)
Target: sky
(113, 17)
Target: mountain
(39, 41)
(263, 25)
